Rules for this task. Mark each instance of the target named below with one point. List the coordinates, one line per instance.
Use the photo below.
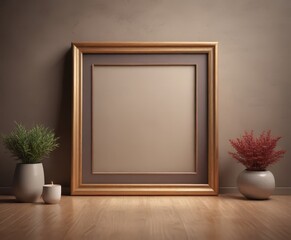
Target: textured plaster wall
(254, 65)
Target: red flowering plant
(256, 154)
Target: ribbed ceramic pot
(28, 182)
(256, 184)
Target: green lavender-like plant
(30, 146)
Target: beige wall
(254, 65)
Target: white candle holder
(52, 193)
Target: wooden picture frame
(88, 55)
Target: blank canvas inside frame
(143, 119)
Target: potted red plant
(256, 154)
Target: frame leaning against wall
(78, 185)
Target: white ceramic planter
(28, 182)
(256, 184)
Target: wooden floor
(224, 217)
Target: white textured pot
(256, 184)
(28, 182)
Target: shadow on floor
(242, 198)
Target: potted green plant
(29, 147)
(256, 154)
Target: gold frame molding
(79, 188)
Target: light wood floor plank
(214, 218)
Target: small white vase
(256, 184)
(28, 182)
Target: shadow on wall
(58, 168)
